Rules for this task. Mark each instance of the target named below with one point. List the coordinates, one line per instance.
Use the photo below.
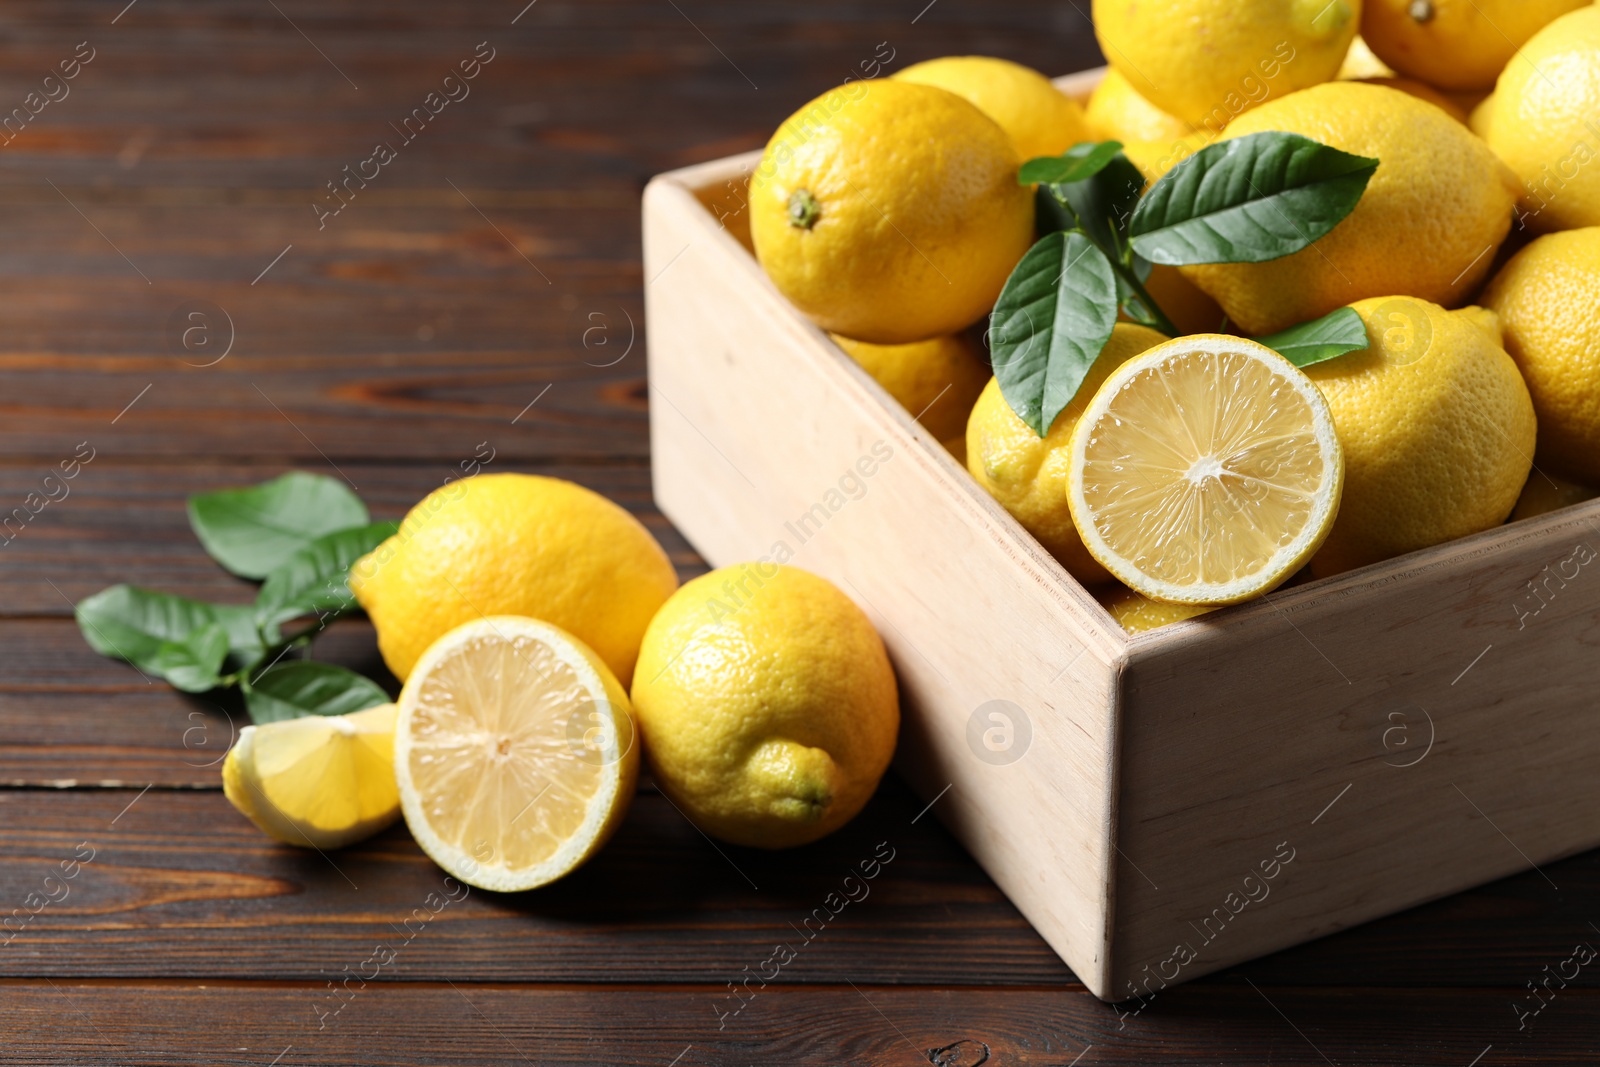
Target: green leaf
(1105, 203)
(306, 687)
(1250, 200)
(194, 664)
(142, 628)
(1321, 339)
(254, 531)
(1050, 323)
(313, 580)
(1082, 160)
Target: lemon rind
(1288, 559)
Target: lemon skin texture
(1458, 45)
(1548, 300)
(1207, 61)
(767, 705)
(1437, 428)
(1027, 474)
(1427, 226)
(1544, 121)
(1040, 119)
(514, 544)
(890, 212)
(936, 381)
(1117, 112)
(1138, 614)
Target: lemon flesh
(1205, 471)
(319, 781)
(514, 753)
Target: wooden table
(483, 292)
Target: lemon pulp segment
(514, 752)
(1205, 471)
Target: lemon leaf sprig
(301, 533)
(1250, 200)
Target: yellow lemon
(1138, 614)
(936, 381)
(1155, 158)
(1360, 63)
(1437, 428)
(889, 211)
(517, 544)
(1455, 44)
(1548, 300)
(1117, 112)
(1421, 91)
(1039, 118)
(1544, 121)
(1204, 471)
(767, 703)
(515, 753)
(1428, 225)
(1546, 492)
(319, 781)
(1207, 61)
(1027, 474)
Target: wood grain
(462, 1023)
(390, 344)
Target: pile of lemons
(1202, 469)
(518, 610)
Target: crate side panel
(1401, 738)
(763, 438)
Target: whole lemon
(1208, 61)
(514, 544)
(1027, 474)
(1117, 112)
(1040, 119)
(1548, 300)
(889, 211)
(1428, 225)
(1455, 44)
(936, 381)
(1437, 430)
(767, 703)
(1544, 121)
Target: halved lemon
(1205, 471)
(514, 752)
(319, 781)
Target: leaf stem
(1157, 318)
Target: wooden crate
(1166, 804)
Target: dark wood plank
(181, 885)
(462, 1023)
(122, 522)
(190, 149)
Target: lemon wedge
(1205, 471)
(514, 752)
(319, 781)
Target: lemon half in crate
(515, 753)
(1205, 471)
